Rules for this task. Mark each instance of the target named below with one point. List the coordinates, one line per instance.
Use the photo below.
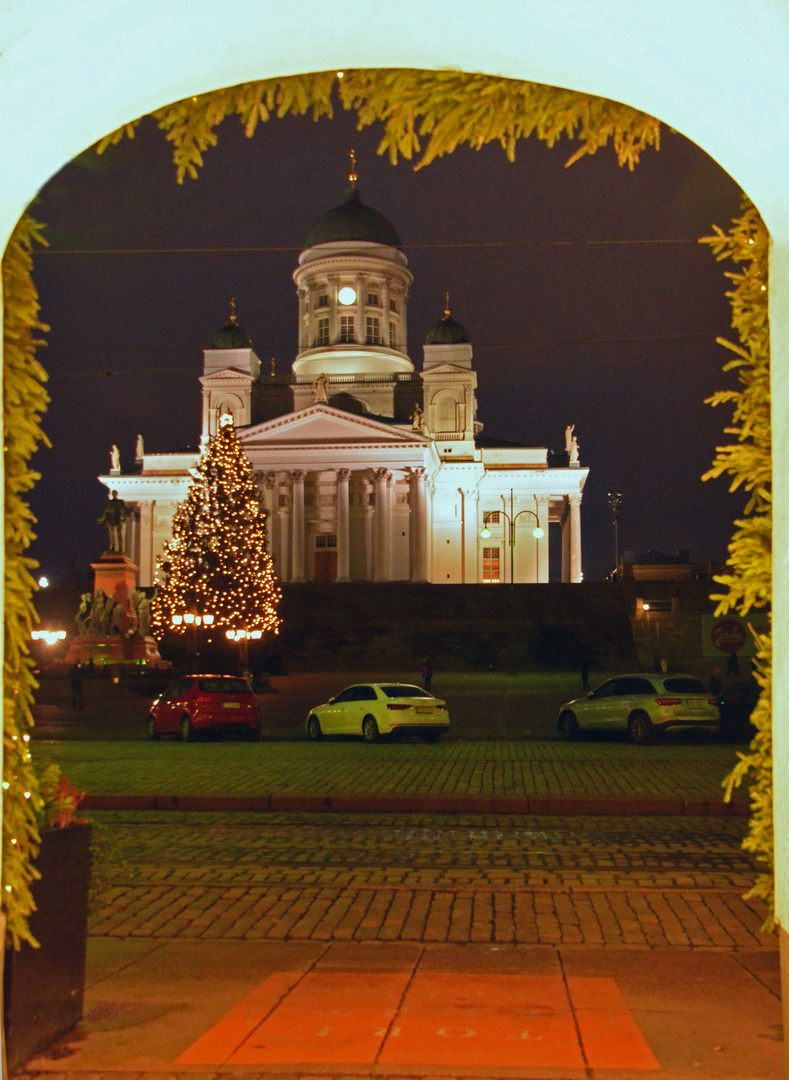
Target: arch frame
(672, 61)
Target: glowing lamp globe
(538, 532)
(485, 533)
(346, 295)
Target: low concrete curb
(420, 804)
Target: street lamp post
(511, 518)
(615, 501)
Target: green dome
(231, 336)
(447, 332)
(352, 221)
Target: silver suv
(641, 705)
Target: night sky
(584, 292)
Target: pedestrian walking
(426, 671)
(75, 676)
(585, 674)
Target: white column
(305, 316)
(343, 533)
(381, 524)
(146, 544)
(361, 304)
(566, 542)
(418, 525)
(270, 503)
(369, 535)
(297, 526)
(543, 549)
(575, 538)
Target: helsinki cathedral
(369, 469)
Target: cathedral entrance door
(325, 558)
(325, 567)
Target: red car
(197, 704)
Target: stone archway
(679, 70)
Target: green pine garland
(24, 402)
(748, 461)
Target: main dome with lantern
(369, 469)
(352, 282)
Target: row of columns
(379, 535)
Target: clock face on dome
(346, 295)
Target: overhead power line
(493, 244)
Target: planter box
(44, 988)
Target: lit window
(346, 329)
(323, 300)
(326, 540)
(491, 517)
(490, 566)
(392, 335)
(323, 332)
(373, 330)
(372, 299)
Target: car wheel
(186, 729)
(153, 734)
(641, 730)
(568, 727)
(314, 732)
(431, 736)
(370, 729)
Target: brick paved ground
(604, 768)
(429, 878)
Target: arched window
(446, 411)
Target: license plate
(231, 704)
(424, 709)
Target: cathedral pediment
(447, 369)
(227, 375)
(322, 424)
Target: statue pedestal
(116, 574)
(113, 650)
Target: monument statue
(113, 517)
(574, 451)
(568, 438)
(115, 459)
(139, 450)
(144, 617)
(83, 614)
(319, 388)
(96, 617)
(416, 419)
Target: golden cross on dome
(352, 177)
(233, 319)
(446, 305)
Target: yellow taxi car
(374, 709)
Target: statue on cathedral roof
(319, 389)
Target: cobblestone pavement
(647, 881)
(478, 768)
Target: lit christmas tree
(215, 571)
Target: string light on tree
(215, 571)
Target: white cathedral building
(369, 469)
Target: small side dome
(447, 332)
(352, 220)
(231, 336)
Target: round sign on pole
(728, 635)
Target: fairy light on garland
(215, 571)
